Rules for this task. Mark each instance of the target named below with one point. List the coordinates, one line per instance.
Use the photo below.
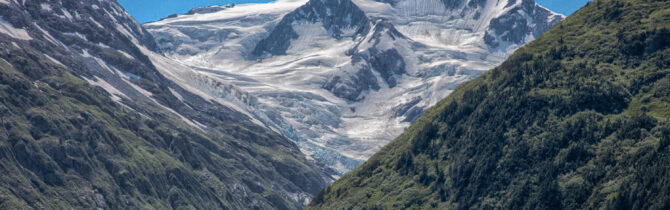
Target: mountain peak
(321, 67)
(338, 17)
(502, 25)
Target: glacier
(341, 78)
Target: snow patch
(176, 94)
(76, 34)
(125, 54)
(67, 15)
(96, 22)
(116, 94)
(54, 60)
(48, 36)
(17, 33)
(46, 7)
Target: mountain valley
(343, 78)
(335, 104)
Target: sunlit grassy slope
(578, 119)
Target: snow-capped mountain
(163, 140)
(343, 77)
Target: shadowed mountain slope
(90, 118)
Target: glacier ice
(343, 78)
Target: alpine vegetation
(577, 119)
(92, 118)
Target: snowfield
(342, 78)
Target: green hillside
(66, 144)
(578, 119)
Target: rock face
(328, 74)
(515, 27)
(92, 118)
(337, 17)
(577, 119)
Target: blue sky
(565, 7)
(151, 10)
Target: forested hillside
(578, 119)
